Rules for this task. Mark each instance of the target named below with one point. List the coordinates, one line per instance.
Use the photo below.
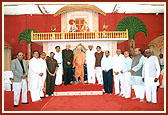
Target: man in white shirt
(90, 63)
(118, 77)
(107, 65)
(150, 75)
(58, 57)
(136, 75)
(126, 75)
(34, 76)
(43, 70)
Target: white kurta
(58, 57)
(43, 78)
(150, 71)
(90, 61)
(126, 77)
(34, 78)
(118, 79)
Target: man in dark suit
(67, 56)
(19, 69)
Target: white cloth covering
(43, 78)
(118, 79)
(150, 71)
(90, 61)
(58, 57)
(34, 78)
(126, 77)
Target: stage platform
(78, 89)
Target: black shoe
(26, 103)
(15, 105)
(42, 97)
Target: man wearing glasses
(19, 69)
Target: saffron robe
(78, 63)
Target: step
(77, 93)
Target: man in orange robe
(78, 63)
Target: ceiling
(19, 8)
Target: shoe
(146, 101)
(26, 103)
(121, 95)
(127, 97)
(110, 93)
(42, 97)
(116, 94)
(15, 105)
(134, 98)
(141, 100)
(46, 95)
(52, 94)
(153, 103)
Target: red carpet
(84, 103)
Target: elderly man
(99, 56)
(52, 67)
(19, 69)
(136, 75)
(67, 56)
(58, 57)
(43, 70)
(35, 73)
(150, 75)
(78, 64)
(90, 63)
(118, 59)
(107, 65)
(126, 75)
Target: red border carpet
(84, 103)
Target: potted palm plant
(26, 36)
(134, 25)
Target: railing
(79, 35)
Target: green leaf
(133, 24)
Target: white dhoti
(151, 89)
(42, 82)
(18, 86)
(126, 84)
(35, 88)
(151, 93)
(118, 83)
(99, 75)
(138, 86)
(91, 74)
(58, 80)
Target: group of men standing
(140, 73)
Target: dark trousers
(50, 84)
(67, 75)
(108, 81)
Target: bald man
(118, 59)
(67, 56)
(78, 64)
(150, 75)
(136, 75)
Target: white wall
(105, 45)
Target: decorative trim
(73, 93)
